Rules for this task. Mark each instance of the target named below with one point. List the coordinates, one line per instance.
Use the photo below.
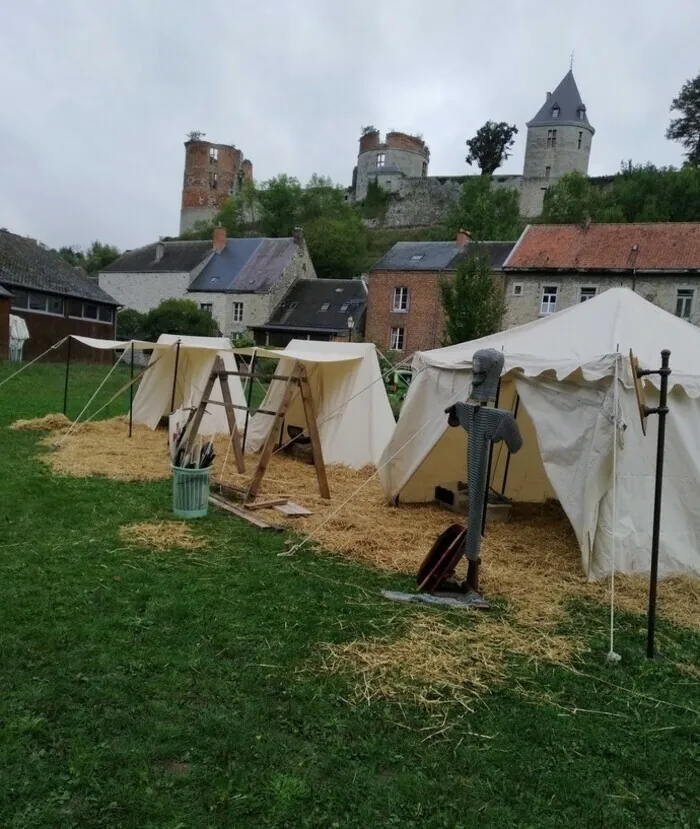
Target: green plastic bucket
(190, 492)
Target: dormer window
(555, 112)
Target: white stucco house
(239, 281)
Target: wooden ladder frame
(298, 378)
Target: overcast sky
(98, 95)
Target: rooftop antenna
(571, 61)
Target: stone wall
(661, 290)
(564, 157)
(407, 153)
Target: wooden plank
(273, 502)
(228, 490)
(293, 510)
(271, 438)
(235, 438)
(312, 427)
(241, 513)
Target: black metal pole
(505, 471)
(131, 392)
(488, 469)
(662, 411)
(249, 394)
(177, 360)
(65, 388)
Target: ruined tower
(558, 142)
(213, 172)
(399, 156)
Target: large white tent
(194, 359)
(352, 409)
(573, 377)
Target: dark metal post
(662, 411)
(488, 469)
(249, 394)
(131, 392)
(65, 389)
(177, 360)
(505, 471)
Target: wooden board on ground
(293, 510)
(272, 502)
(222, 503)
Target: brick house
(239, 281)
(317, 309)
(54, 298)
(552, 267)
(404, 309)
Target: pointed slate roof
(568, 99)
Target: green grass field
(180, 690)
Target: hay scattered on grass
(436, 662)
(51, 422)
(532, 560)
(103, 447)
(162, 536)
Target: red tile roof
(665, 246)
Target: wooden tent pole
(131, 393)
(177, 360)
(65, 388)
(312, 426)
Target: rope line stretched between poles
(26, 365)
(96, 392)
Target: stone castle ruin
(558, 142)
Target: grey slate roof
(437, 256)
(567, 97)
(3, 293)
(248, 265)
(497, 253)
(177, 257)
(301, 308)
(434, 256)
(26, 264)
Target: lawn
(148, 689)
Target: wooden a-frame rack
(296, 379)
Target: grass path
(147, 689)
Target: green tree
(280, 206)
(472, 300)
(92, 260)
(131, 324)
(487, 212)
(338, 246)
(73, 255)
(179, 316)
(686, 127)
(489, 148)
(574, 199)
(230, 217)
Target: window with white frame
(206, 306)
(400, 303)
(213, 155)
(33, 301)
(381, 159)
(586, 293)
(238, 312)
(517, 289)
(549, 300)
(684, 302)
(396, 339)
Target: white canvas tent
(195, 359)
(571, 370)
(352, 409)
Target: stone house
(239, 281)
(54, 298)
(404, 308)
(317, 309)
(552, 267)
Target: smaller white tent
(195, 358)
(569, 370)
(352, 409)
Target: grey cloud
(99, 96)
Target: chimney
(463, 238)
(549, 95)
(298, 236)
(160, 251)
(219, 239)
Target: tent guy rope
(36, 359)
(96, 392)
